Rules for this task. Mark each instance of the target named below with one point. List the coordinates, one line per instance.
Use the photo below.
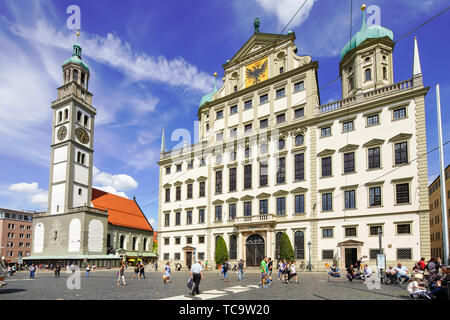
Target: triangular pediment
(373, 143)
(280, 193)
(247, 198)
(257, 43)
(299, 190)
(263, 195)
(232, 200)
(188, 181)
(400, 137)
(349, 147)
(217, 202)
(326, 152)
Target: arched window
(145, 244)
(247, 152)
(79, 191)
(299, 140)
(277, 244)
(233, 247)
(368, 74)
(86, 119)
(82, 158)
(134, 243)
(75, 75)
(299, 245)
(79, 116)
(60, 116)
(83, 77)
(384, 73)
(122, 242)
(66, 114)
(79, 157)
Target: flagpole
(443, 189)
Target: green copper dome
(208, 97)
(374, 32)
(76, 57)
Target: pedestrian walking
(156, 266)
(57, 270)
(197, 276)
(225, 271)
(166, 275)
(141, 271)
(269, 267)
(32, 271)
(241, 270)
(121, 275)
(292, 273)
(206, 265)
(263, 272)
(88, 269)
(136, 271)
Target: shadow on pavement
(5, 291)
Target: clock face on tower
(62, 132)
(82, 135)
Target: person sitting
(422, 264)
(391, 274)
(351, 274)
(334, 271)
(416, 291)
(402, 272)
(367, 272)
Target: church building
(273, 158)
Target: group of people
(359, 271)
(139, 271)
(287, 271)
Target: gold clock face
(62, 132)
(82, 135)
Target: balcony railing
(366, 96)
(260, 218)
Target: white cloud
(285, 9)
(115, 182)
(31, 191)
(112, 190)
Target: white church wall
(79, 198)
(59, 172)
(95, 238)
(81, 174)
(58, 197)
(60, 154)
(74, 235)
(38, 242)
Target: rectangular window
(373, 253)
(167, 170)
(350, 232)
(166, 241)
(350, 202)
(201, 255)
(281, 170)
(168, 195)
(189, 240)
(347, 126)
(233, 109)
(232, 209)
(399, 113)
(264, 123)
(327, 254)
(327, 233)
(298, 113)
(219, 114)
(404, 254)
(177, 256)
(178, 167)
(299, 203)
(263, 99)
(299, 86)
(327, 202)
(374, 158)
(373, 230)
(218, 211)
(375, 196)
(189, 217)
(263, 206)
(190, 164)
(177, 240)
(404, 228)
(232, 179)
(247, 208)
(280, 93)
(281, 70)
(401, 153)
(326, 167)
(202, 189)
(402, 192)
(201, 216)
(349, 162)
(281, 206)
(248, 128)
(325, 132)
(372, 120)
(233, 133)
(248, 176)
(189, 191)
(201, 239)
(281, 118)
(247, 104)
(263, 174)
(218, 181)
(167, 219)
(166, 256)
(299, 167)
(178, 193)
(177, 218)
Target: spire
(416, 62)
(163, 142)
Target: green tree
(221, 254)
(286, 251)
(155, 247)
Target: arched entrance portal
(254, 250)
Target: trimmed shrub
(286, 251)
(221, 254)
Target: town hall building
(272, 158)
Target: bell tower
(71, 161)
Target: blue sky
(152, 61)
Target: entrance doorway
(254, 250)
(350, 256)
(188, 259)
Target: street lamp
(309, 250)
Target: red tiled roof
(121, 211)
(155, 236)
